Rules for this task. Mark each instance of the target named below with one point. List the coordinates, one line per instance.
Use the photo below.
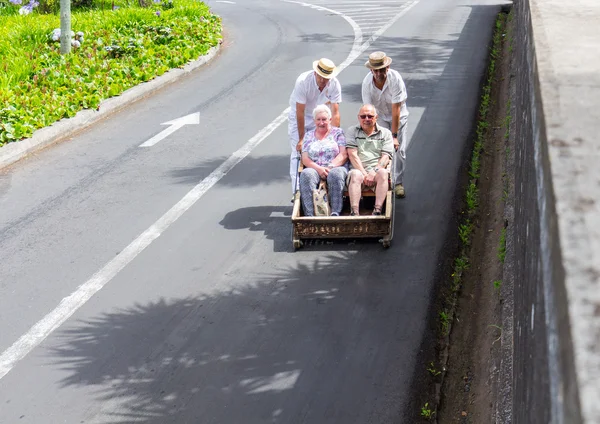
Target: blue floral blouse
(322, 152)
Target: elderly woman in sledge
(324, 157)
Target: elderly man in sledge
(370, 147)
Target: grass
(464, 232)
(461, 264)
(121, 49)
(433, 370)
(509, 34)
(502, 245)
(427, 412)
(445, 322)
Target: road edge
(13, 152)
(463, 264)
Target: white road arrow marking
(175, 124)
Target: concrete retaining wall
(556, 326)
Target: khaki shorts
(363, 187)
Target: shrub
(49, 6)
(39, 86)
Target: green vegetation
(427, 412)
(464, 232)
(466, 226)
(120, 47)
(432, 370)
(445, 322)
(465, 229)
(502, 245)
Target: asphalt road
(209, 316)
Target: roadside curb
(44, 137)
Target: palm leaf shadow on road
(269, 350)
(273, 221)
(420, 61)
(251, 171)
(276, 225)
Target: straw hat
(325, 67)
(378, 60)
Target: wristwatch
(395, 135)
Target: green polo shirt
(370, 147)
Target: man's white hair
(370, 105)
(322, 109)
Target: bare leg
(354, 189)
(381, 179)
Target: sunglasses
(366, 116)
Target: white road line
(161, 135)
(367, 7)
(356, 46)
(225, 1)
(174, 125)
(360, 13)
(370, 28)
(359, 20)
(370, 9)
(70, 304)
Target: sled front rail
(344, 226)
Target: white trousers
(294, 162)
(400, 155)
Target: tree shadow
(319, 37)
(418, 60)
(273, 221)
(268, 351)
(249, 172)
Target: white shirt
(306, 91)
(394, 91)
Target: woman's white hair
(322, 109)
